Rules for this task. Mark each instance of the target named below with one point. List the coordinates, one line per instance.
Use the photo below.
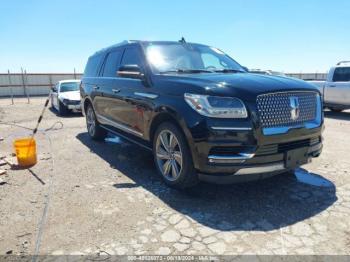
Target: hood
(71, 95)
(238, 84)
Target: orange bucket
(25, 151)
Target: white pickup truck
(336, 89)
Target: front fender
(186, 118)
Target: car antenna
(182, 40)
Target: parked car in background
(200, 112)
(266, 72)
(65, 96)
(336, 88)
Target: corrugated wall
(309, 76)
(40, 84)
(30, 84)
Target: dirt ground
(86, 197)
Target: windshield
(72, 86)
(188, 58)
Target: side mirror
(130, 71)
(53, 89)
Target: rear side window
(341, 74)
(91, 68)
(112, 63)
(132, 56)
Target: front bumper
(240, 151)
(72, 104)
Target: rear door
(338, 88)
(110, 102)
(91, 82)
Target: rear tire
(52, 106)
(173, 158)
(95, 131)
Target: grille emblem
(294, 107)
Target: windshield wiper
(228, 70)
(187, 71)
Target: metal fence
(23, 84)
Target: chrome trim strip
(308, 125)
(315, 147)
(290, 91)
(147, 95)
(117, 125)
(231, 128)
(260, 169)
(230, 159)
(128, 73)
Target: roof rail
(343, 62)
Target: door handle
(115, 90)
(332, 86)
(96, 87)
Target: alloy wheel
(90, 121)
(169, 155)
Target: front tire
(95, 131)
(62, 109)
(173, 158)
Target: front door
(337, 90)
(119, 93)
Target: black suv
(200, 112)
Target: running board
(127, 137)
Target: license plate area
(296, 157)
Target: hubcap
(90, 121)
(169, 155)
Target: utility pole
(10, 85)
(24, 84)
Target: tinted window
(341, 74)
(132, 56)
(112, 63)
(92, 65)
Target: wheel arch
(86, 101)
(169, 115)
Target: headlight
(215, 106)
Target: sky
(283, 35)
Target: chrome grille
(275, 109)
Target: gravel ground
(86, 197)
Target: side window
(112, 63)
(132, 56)
(341, 74)
(92, 65)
